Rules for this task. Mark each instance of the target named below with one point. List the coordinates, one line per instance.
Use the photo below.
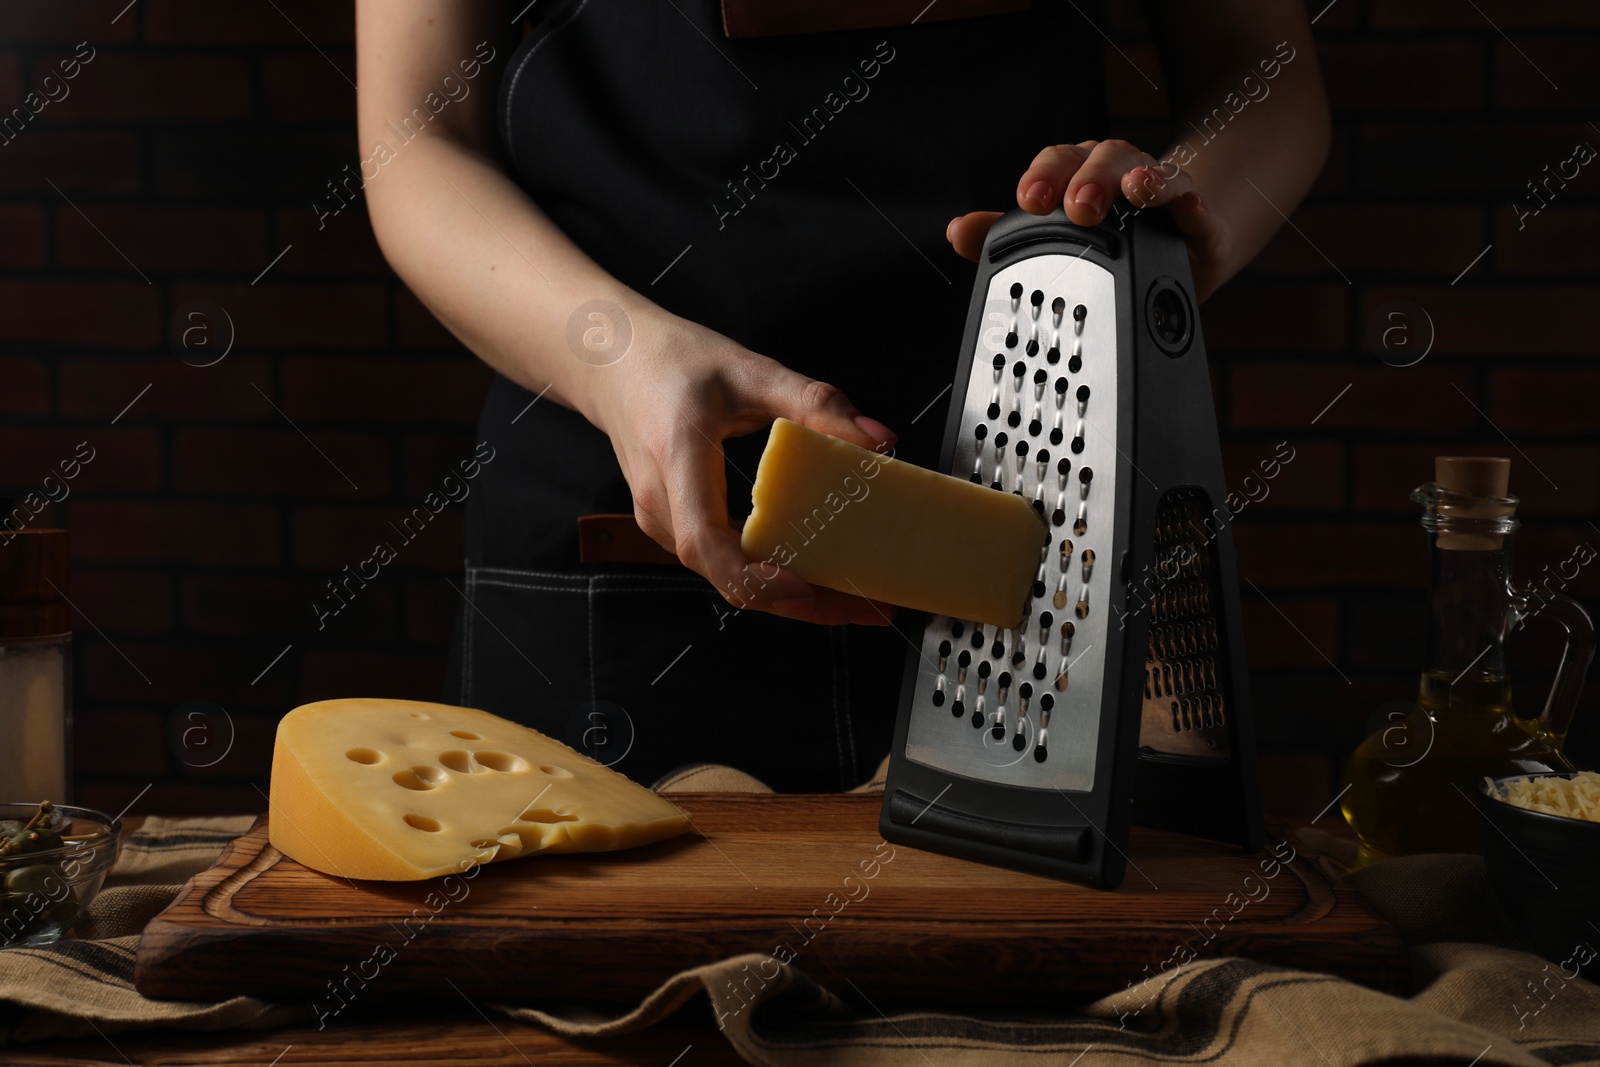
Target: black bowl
(1546, 871)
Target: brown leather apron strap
(618, 539)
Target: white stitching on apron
(589, 608)
(586, 591)
(839, 744)
(849, 719)
(469, 640)
(512, 88)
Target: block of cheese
(842, 517)
(400, 790)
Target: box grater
(1083, 385)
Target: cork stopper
(1486, 480)
(1475, 475)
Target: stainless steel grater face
(1038, 417)
(1082, 386)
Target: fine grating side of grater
(1083, 386)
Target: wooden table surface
(400, 1035)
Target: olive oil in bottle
(1409, 786)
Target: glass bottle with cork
(35, 697)
(1409, 786)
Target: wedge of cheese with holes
(401, 790)
(845, 518)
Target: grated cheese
(1577, 797)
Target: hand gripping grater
(1083, 386)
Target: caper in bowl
(53, 859)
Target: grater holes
(957, 628)
(1075, 364)
(1016, 290)
(1054, 355)
(1080, 313)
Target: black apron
(791, 192)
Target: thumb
(823, 407)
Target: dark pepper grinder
(35, 667)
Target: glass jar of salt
(35, 635)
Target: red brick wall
(1439, 121)
(198, 135)
(195, 141)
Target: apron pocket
(648, 669)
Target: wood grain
(781, 874)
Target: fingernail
(875, 430)
(1039, 190)
(1089, 196)
(796, 605)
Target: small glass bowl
(38, 907)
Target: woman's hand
(1088, 178)
(668, 406)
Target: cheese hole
(419, 777)
(368, 756)
(422, 822)
(460, 761)
(555, 772)
(501, 761)
(466, 735)
(522, 838)
(419, 714)
(546, 815)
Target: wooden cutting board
(806, 878)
